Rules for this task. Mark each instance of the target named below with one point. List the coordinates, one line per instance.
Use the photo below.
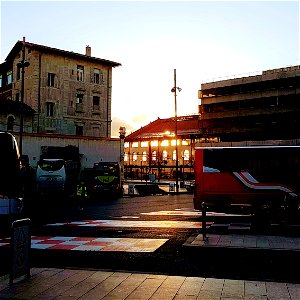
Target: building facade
(260, 107)
(64, 92)
(152, 149)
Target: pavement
(45, 283)
(54, 283)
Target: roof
(18, 46)
(7, 106)
(165, 128)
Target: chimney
(88, 50)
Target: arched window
(174, 155)
(154, 155)
(10, 123)
(134, 156)
(144, 157)
(165, 155)
(186, 155)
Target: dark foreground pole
(203, 206)
(20, 249)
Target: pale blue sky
(202, 40)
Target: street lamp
(21, 65)
(122, 132)
(174, 90)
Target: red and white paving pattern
(92, 243)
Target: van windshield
(51, 165)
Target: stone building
(64, 92)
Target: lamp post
(174, 90)
(22, 64)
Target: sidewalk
(46, 283)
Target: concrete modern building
(260, 107)
(64, 92)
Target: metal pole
(22, 98)
(176, 145)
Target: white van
(51, 175)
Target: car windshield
(51, 165)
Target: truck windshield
(51, 165)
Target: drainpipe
(39, 93)
(107, 104)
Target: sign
(20, 248)
(171, 187)
(131, 189)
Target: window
(96, 76)
(79, 102)
(165, 143)
(174, 155)
(126, 145)
(79, 98)
(154, 143)
(173, 142)
(9, 77)
(144, 156)
(154, 155)
(49, 109)
(165, 155)
(80, 73)
(144, 144)
(134, 156)
(186, 155)
(51, 78)
(10, 123)
(96, 102)
(185, 142)
(0, 80)
(125, 157)
(79, 130)
(135, 144)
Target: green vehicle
(108, 179)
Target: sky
(203, 40)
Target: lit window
(154, 143)
(51, 78)
(134, 156)
(135, 144)
(126, 145)
(165, 143)
(165, 155)
(173, 142)
(186, 155)
(174, 155)
(0, 80)
(154, 155)
(144, 157)
(125, 157)
(80, 73)
(49, 109)
(185, 142)
(144, 144)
